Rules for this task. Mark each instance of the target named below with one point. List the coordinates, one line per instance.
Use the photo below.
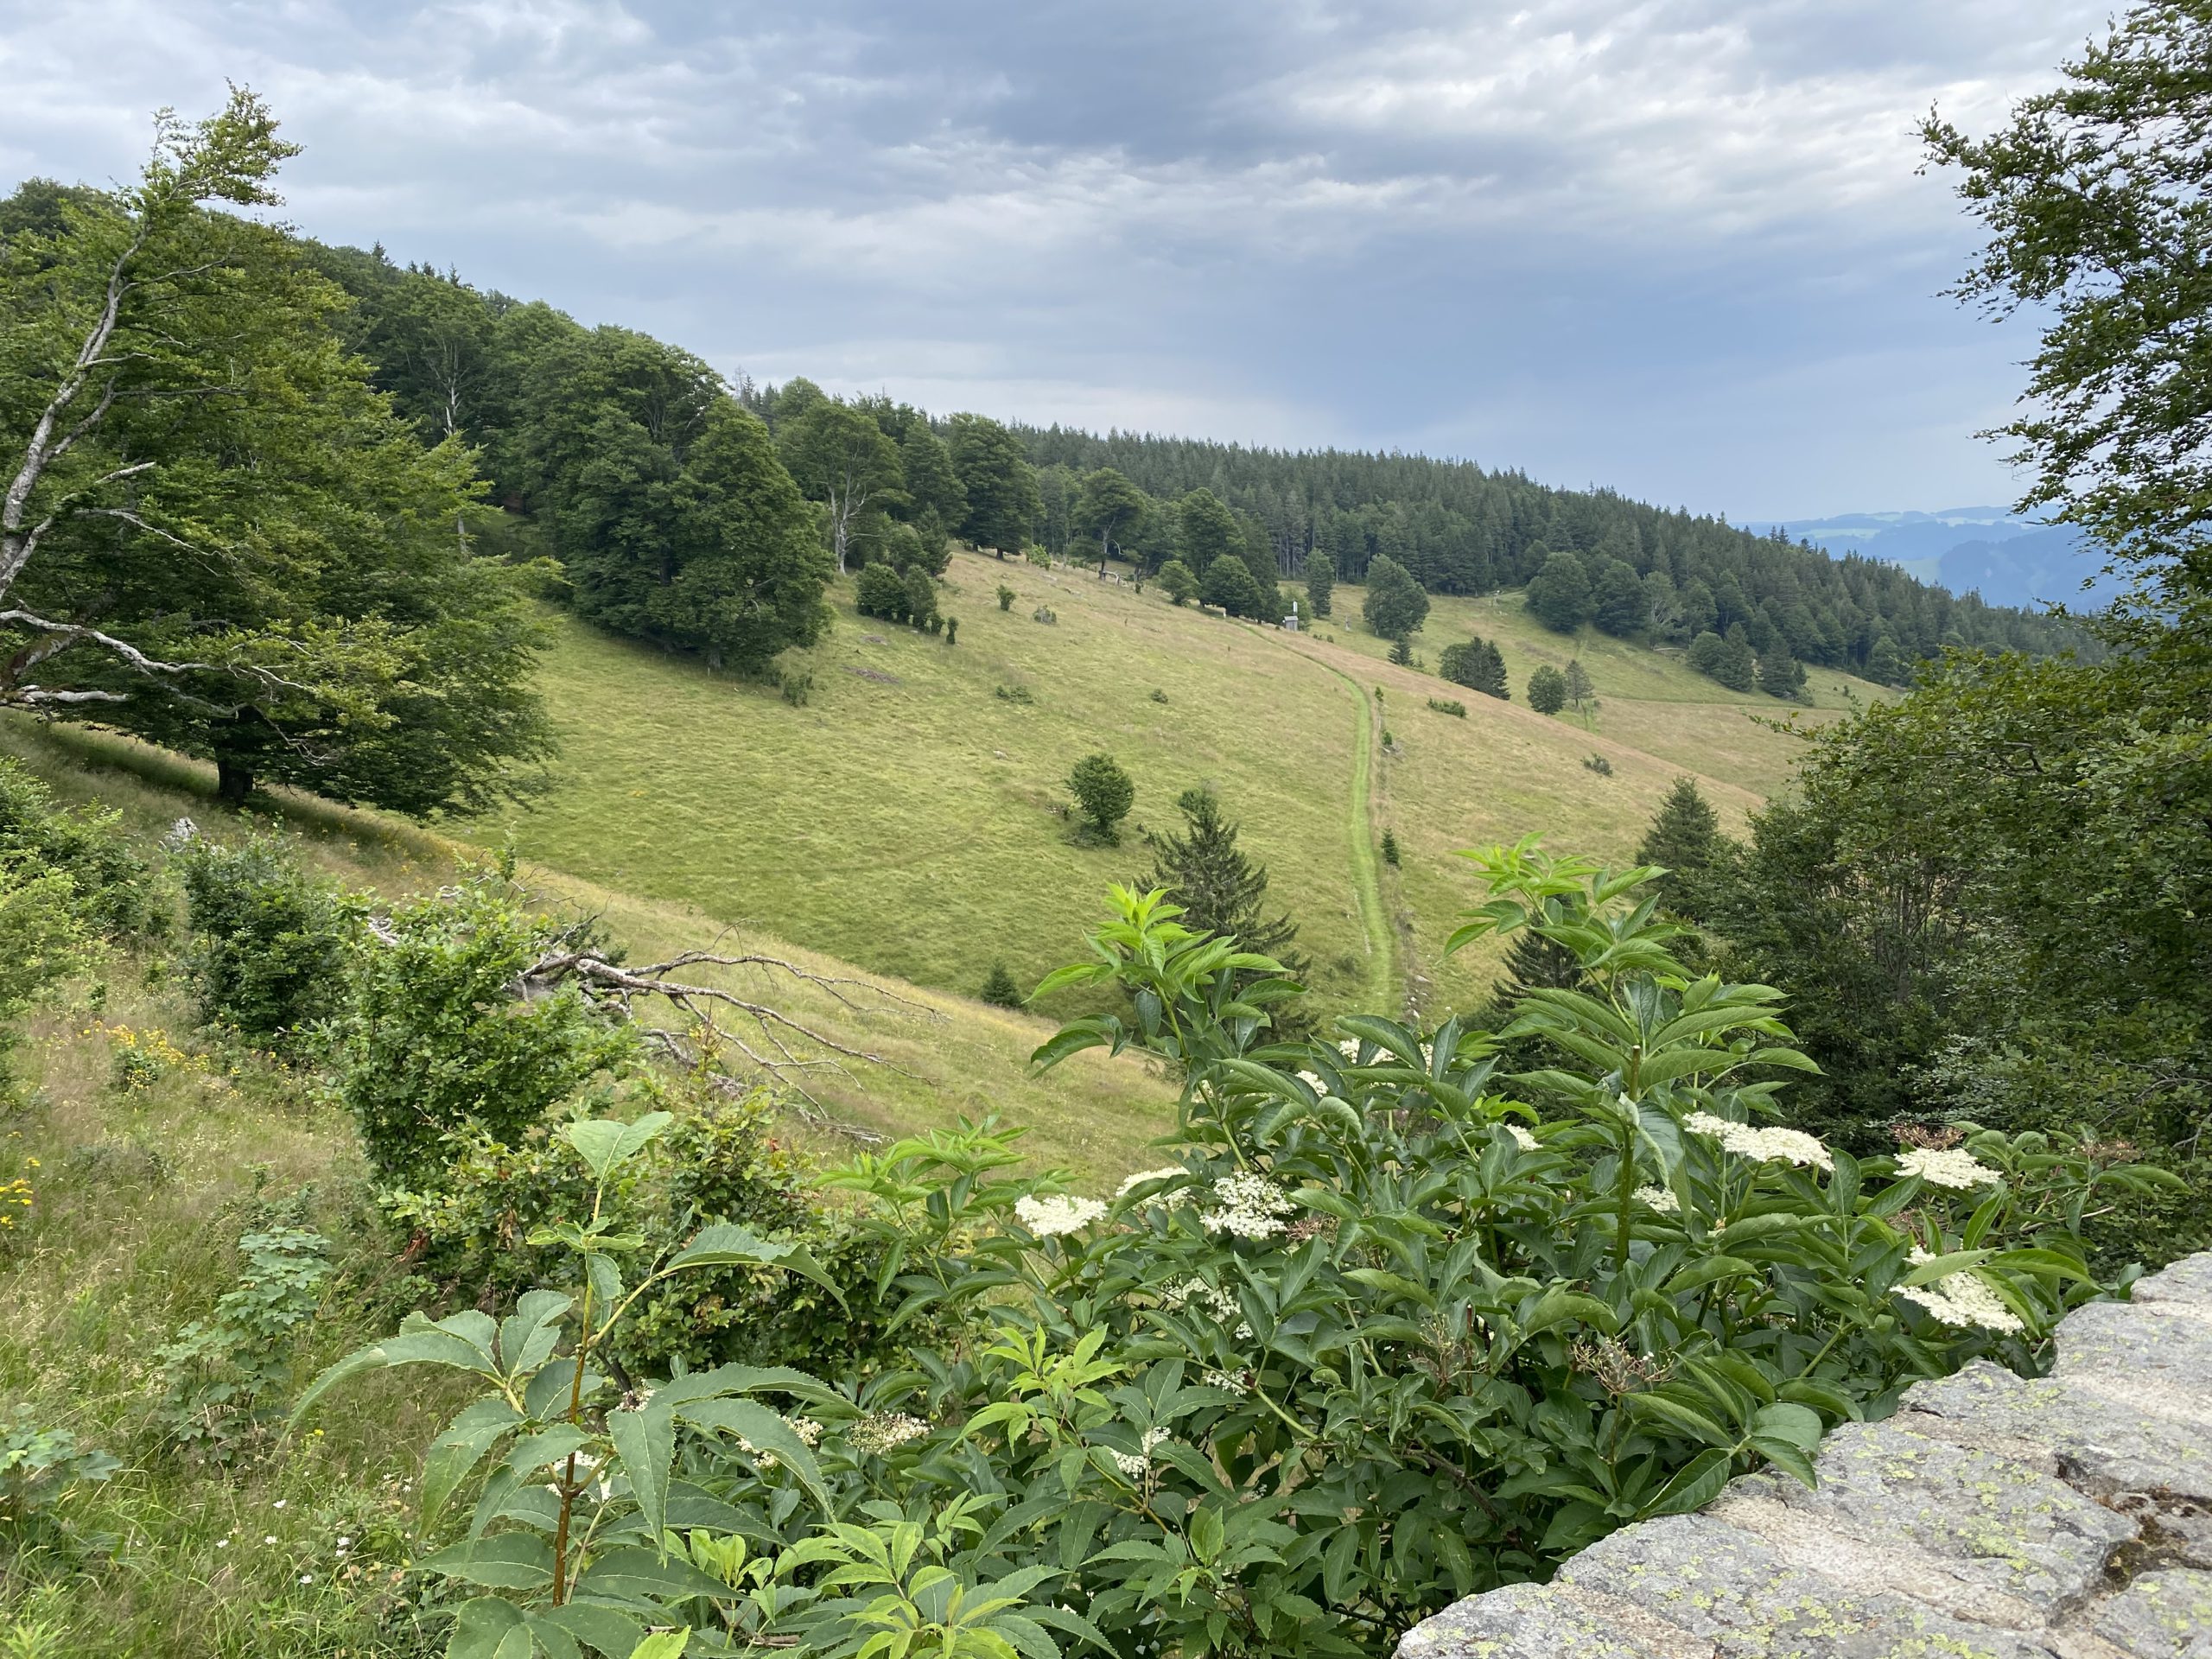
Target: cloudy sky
(1678, 248)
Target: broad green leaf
(613, 1635)
(459, 1448)
(1695, 1485)
(644, 1440)
(605, 1145)
(1685, 1418)
(462, 1341)
(1799, 1425)
(629, 1574)
(727, 1244)
(506, 1561)
(487, 1627)
(762, 1428)
(662, 1645)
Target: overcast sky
(1676, 248)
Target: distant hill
(1987, 550)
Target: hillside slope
(946, 1055)
(908, 819)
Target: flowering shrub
(1395, 1326)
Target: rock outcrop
(2068, 1517)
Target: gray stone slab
(2187, 1283)
(1979, 1535)
(2155, 1355)
(1737, 1592)
(2161, 1616)
(2103, 1445)
(1527, 1621)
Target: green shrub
(1390, 847)
(879, 592)
(1598, 764)
(951, 630)
(1387, 1327)
(115, 891)
(268, 942)
(1546, 689)
(1104, 793)
(40, 1470)
(1442, 707)
(1007, 596)
(798, 686)
(229, 1376)
(436, 1037)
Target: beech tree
(1204, 530)
(1546, 689)
(1395, 606)
(214, 531)
(1558, 595)
(999, 484)
(838, 455)
(1107, 506)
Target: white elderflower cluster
(1169, 1172)
(1054, 1217)
(1522, 1138)
(1952, 1166)
(1222, 1304)
(1761, 1145)
(1660, 1199)
(1313, 1080)
(1349, 1047)
(1250, 1206)
(808, 1431)
(1138, 1463)
(881, 1432)
(1964, 1299)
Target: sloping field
(909, 817)
(947, 1055)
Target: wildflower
(1313, 1080)
(1222, 1380)
(307, 1578)
(222, 1543)
(278, 1504)
(270, 1538)
(1522, 1138)
(1054, 1217)
(344, 1543)
(1761, 1145)
(1659, 1198)
(881, 1432)
(1222, 1304)
(1946, 1167)
(1138, 1463)
(1964, 1299)
(1349, 1047)
(1170, 1172)
(1251, 1206)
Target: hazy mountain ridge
(2006, 559)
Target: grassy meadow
(910, 818)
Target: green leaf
(1939, 1267)
(727, 1244)
(1698, 1275)
(1799, 1425)
(489, 1629)
(606, 1145)
(1695, 1484)
(764, 1430)
(460, 1448)
(1685, 1418)
(1788, 1457)
(644, 1440)
(601, 1629)
(506, 1561)
(631, 1574)
(462, 1341)
(662, 1645)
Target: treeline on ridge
(590, 432)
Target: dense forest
(526, 384)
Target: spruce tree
(1532, 962)
(1685, 839)
(1490, 673)
(1000, 989)
(1219, 887)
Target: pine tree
(1490, 673)
(1685, 839)
(1390, 847)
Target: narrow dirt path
(1382, 993)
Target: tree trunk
(234, 783)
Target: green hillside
(908, 817)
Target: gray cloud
(1677, 246)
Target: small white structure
(1290, 622)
